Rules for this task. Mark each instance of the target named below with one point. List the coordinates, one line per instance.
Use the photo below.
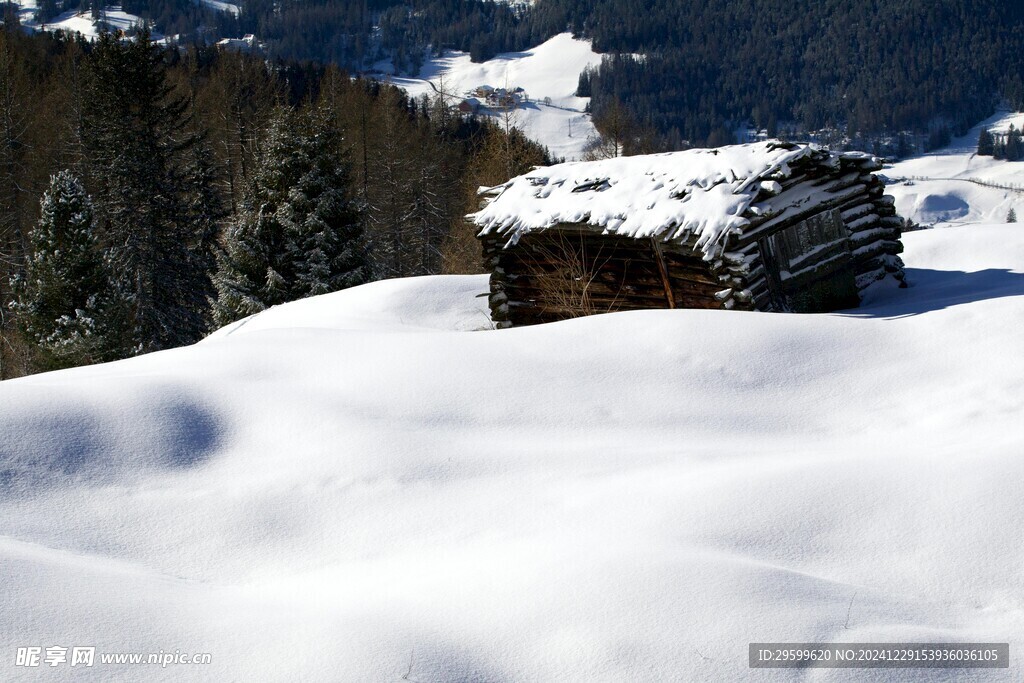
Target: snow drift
(372, 485)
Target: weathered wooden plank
(580, 299)
(596, 305)
(891, 263)
(857, 202)
(540, 309)
(763, 303)
(794, 214)
(753, 274)
(833, 185)
(865, 221)
(880, 247)
(654, 296)
(865, 279)
(870, 164)
(857, 211)
(637, 262)
(659, 258)
(759, 293)
(679, 275)
(615, 278)
(865, 237)
(813, 269)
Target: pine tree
(298, 233)
(248, 278)
(1011, 216)
(986, 143)
(206, 211)
(1014, 146)
(65, 299)
(254, 268)
(323, 223)
(138, 141)
(903, 147)
(47, 11)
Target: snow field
(368, 485)
(550, 70)
(940, 190)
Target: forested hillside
(689, 72)
(150, 194)
(875, 66)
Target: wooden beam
(663, 269)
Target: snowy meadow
(373, 485)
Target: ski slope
(954, 186)
(549, 71)
(372, 485)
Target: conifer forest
(150, 195)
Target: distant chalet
(767, 226)
(245, 44)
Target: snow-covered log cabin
(767, 226)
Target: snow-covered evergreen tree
(138, 139)
(248, 278)
(64, 298)
(205, 212)
(252, 269)
(322, 222)
(1014, 145)
(986, 143)
(298, 233)
(1011, 216)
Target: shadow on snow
(58, 446)
(934, 290)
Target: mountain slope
(548, 73)
(954, 185)
(360, 486)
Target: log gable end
(792, 228)
(810, 265)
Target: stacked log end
(851, 188)
(875, 230)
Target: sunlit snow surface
(549, 75)
(954, 186)
(372, 485)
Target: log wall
(558, 274)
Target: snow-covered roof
(672, 196)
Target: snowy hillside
(548, 73)
(115, 18)
(372, 486)
(953, 185)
